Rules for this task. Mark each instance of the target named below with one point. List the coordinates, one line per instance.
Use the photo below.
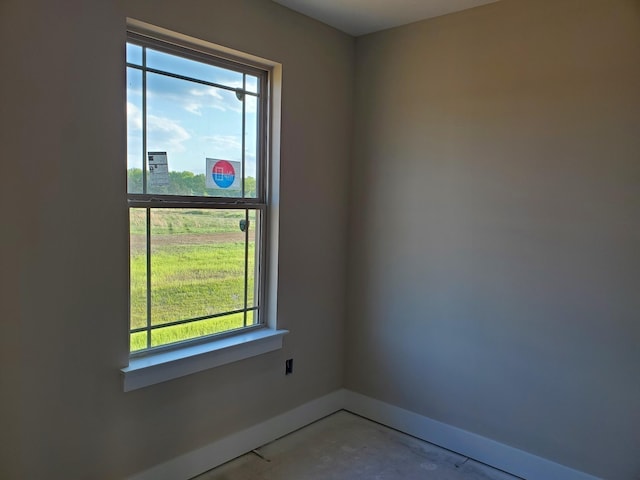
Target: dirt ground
(137, 242)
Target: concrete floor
(347, 447)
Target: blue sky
(188, 120)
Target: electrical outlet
(288, 366)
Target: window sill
(162, 366)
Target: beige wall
(64, 257)
(495, 257)
(494, 231)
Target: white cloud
(224, 141)
(213, 98)
(198, 98)
(134, 117)
(195, 98)
(224, 146)
(209, 97)
(165, 135)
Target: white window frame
(176, 360)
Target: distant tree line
(183, 183)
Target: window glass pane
(199, 129)
(134, 54)
(251, 146)
(252, 317)
(253, 251)
(134, 131)
(197, 263)
(200, 328)
(193, 69)
(251, 84)
(138, 341)
(138, 267)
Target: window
(197, 189)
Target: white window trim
(157, 367)
(162, 366)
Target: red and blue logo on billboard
(223, 174)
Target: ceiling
(359, 17)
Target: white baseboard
(490, 452)
(205, 458)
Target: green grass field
(197, 269)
